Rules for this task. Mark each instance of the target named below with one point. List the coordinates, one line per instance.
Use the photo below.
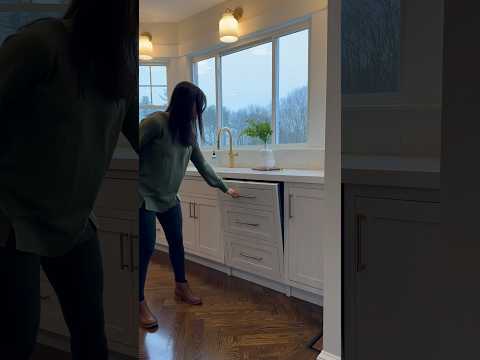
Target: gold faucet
(231, 154)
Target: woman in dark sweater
(67, 90)
(168, 141)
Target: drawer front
(255, 194)
(250, 223)
(262, 261)
(197, 187)
(108, 198)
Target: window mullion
(275, 91)
(218, 80)
(151, 87)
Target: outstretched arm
(206, 170)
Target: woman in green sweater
(168, 141)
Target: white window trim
(270, 37)
(155, 63)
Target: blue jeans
(171, 222)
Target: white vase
(267, 157)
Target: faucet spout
(231, 153)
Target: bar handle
(290, 206)
(361, 243)
(251, 257)
(248, 224)
(123, 237)
(133, 265)
(248, 196)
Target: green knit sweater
(163, 163)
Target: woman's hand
(233, 193)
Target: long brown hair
(187, 99)
(104, 46)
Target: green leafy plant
(259, 130)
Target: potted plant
(263, 131)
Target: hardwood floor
(238, 320)
(46, 353)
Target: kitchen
(269, 242)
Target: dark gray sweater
(55, 145)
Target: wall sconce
(145, 46)
(228, 25)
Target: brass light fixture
(228, 25)
(145, 46)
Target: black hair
(187, 104)
(104, 45)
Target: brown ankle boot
(146, 317)
(185, 294)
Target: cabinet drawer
(197, 187)
(262, 261)
(252, 193)
(108, 198)
(249, 223)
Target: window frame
(273, 37)
(154, 63)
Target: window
(247, 89)
(206, 80)
(153, 89)
(371, 46)
(263, 82)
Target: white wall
(199, 34)
(332, 254)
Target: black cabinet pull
(123, 238)
(361, 243)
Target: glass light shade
(145, 46)
(228, 28)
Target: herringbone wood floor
(238, 321)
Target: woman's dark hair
(104, 46)
(187, 104)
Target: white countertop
(284, 175)
(391, 171)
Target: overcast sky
(247, 75)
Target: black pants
(171, 222)
(77, 278)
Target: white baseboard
(327, 356)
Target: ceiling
(169, 11)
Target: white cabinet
(201, 222)
(210, 242)
(119, 244)
(252, 229)
(303, 218)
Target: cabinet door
(161, 239)
(51, 316)
(210, 242)
(119, 264)
(189, 225)
(389, 266)
(305, 265)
